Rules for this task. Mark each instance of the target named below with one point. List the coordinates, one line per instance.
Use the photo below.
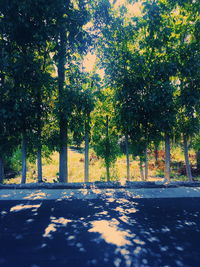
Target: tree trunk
(108, 172)
(63, 171)
(127, 158)
(156, 155)
(39, 132)
(39, 163)
(146, 165)
(167, 157)
(24, 156)
(141, 169)
(198, 159)
(86, 161)
(187, 162)
(107, 151)
(2, 173)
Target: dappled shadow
(114, 229)
(20, 207)
(39, 194)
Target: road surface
(109, 228)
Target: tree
(136, 67)
(8, 141)
(89, 96)
(188, 59)
(104, 134)
(70, 38)
(24, 29)
(85, 90)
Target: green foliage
(104, 131)
(196, 142)
(106, 148)
(15, 160)
(151, 84)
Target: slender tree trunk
(167, 157)
(24, 158)
(141, 169)
(146, 165)
(108, 172)
(39, 144)
(127, 158)
(198, 159)
(156, 155)
(107, 151)
(2, 173)
(187, 162)
(39, 132)
(86, 161)
(39, 163)
(63, 171)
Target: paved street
(98, 228)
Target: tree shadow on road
(114, 229)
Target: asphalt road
(111, 230)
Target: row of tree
(41, 48)
(152, 64)
(150, 91)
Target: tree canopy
(149, 93)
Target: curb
(100, 185)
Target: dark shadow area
(113, 230)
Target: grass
(97, 170)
